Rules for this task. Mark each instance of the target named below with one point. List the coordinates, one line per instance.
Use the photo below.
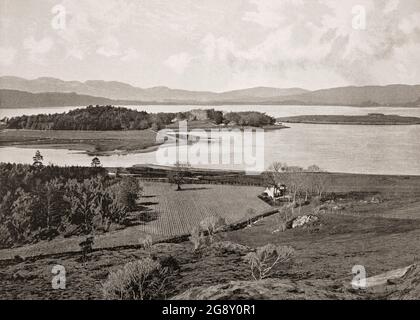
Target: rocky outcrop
(304, 221)
(408, 286)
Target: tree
(20, 221)
(178, 174)
(50, 207)
(272, 176)
(294, 178)
(127, 192)
(82, 200)
(109, 208)
(95, 162)
(318, 180)
(37, 159)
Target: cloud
(178, 62)
(7, 56)
(37, 49)
(96, 27)
(222, 44)
(391, 5)
(109, 47)
(301, 34)
(130, 55)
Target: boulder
(302, 221)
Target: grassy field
(172, 213)
(179, 211)
(90, 141)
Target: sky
(215, 45)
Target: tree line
(42, 202)
(106, 118)
(301, 183)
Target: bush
(199, 239)
(147, 244)
(212, 224)
(265, 258)
(229, 247)
(203, 235)
(143, 279)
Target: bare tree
(178, 174)
(318, 180)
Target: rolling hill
(19, 92)
(361, 96)
(21, 99)
(123, 91)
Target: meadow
(178, 212)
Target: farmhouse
(275, 192)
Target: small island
(369, 119)
(106, 130)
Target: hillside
(21, 99)
(120, 90)
(19, 92)
(361, 96)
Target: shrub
(168, 262)
(143, 279)
(265, 258)
(212, 224)
(203, 235)
(147, 244)
(199, 239)
(229, 247)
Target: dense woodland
(41, 202)
(117, 118)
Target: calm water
(336, 148)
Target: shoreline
(354, 123)
(92, 142)
(202, 170)
(373, 119)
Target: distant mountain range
(19, 92)
(122, 91)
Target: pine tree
(95, 162)
(37, 159)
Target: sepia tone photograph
(200, 150)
